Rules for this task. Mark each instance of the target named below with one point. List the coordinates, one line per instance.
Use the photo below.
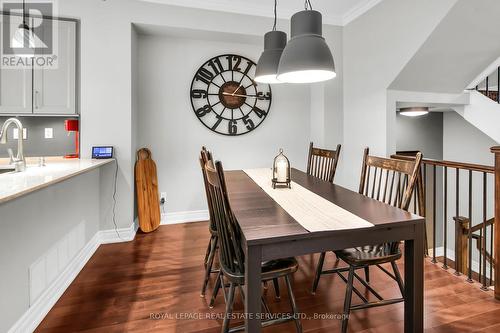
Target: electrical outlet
(49, 133)
(163, 197)
(15, 133)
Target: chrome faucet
(19, 161)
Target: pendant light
(24, 38)
(274, 43)
(306, 58)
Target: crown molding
(257, 10)
(359, 10)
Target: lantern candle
(281, 171)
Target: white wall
(377, 45)
(169, 126)
(423, 133)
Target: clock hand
(238, 95)
(237, 89)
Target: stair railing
(470, 220)
(484, 87)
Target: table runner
(312, 211)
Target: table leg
(253, 263)
(414, 281)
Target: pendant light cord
(24, 12)
(307, 5)
(275, 15)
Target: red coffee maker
(72, 125)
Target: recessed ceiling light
(415, 111)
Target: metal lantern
(281, 171)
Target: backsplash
(36, 144)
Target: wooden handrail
(496, 250)
(479, 226)
(450, 164)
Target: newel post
(496, 236)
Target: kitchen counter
(57, 169)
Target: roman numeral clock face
(226, 99)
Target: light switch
(49, 133)
(25, 133)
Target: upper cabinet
(47, 90)
(15, 83)
(54, 89)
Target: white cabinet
(15, 84)
(54, 90)
(44, 89)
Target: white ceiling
(336, 12)
(463, 44)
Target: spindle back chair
(322, 163)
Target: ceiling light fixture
(23, 38)
(274, 43)
(306, 58)
(414, 111)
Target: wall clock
(226, 99)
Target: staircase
(483, 110)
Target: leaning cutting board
(146, 182)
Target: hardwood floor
(152, 284)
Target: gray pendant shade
(267, 66)
(306, 58)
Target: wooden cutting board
(146, 182)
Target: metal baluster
(487, 87)
(469, 235)
(492, 239)
(483, 240)
(445, 218)
(457, 212)
(434, 214)
(424, 167)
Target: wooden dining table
(269, 232)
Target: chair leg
(347, 300)
(276, 288)
(398, 278)
(208, 268)
(319, 269)
(207, 253)
(293, 304)
(229, 309)
(219, 281)
(367, 274)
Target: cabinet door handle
(36, 99)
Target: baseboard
(118, 235)
(35, 313)
(183, 217)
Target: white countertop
(57, 169)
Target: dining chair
(393, 182)
(232, 257)
(322, 163)
(210, 253)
